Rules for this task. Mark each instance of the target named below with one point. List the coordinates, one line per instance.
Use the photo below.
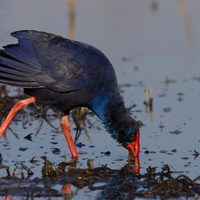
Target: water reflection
(154, 5)
(186, 21)
(148, 102)
(71, 19)
(3, 5)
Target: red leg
(66, 130)
(66, 189)
(7, 198)
(16, 108)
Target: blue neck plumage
(114, 116)
(99, 106)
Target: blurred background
(154, 45)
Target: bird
(65, 74)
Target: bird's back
(49, 62)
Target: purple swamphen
(66, 74)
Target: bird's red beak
(134, 147)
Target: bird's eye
(133, 137)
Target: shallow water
(151, 44)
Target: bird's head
(130, 139)
(134, 146)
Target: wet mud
(114, 184)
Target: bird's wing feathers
(14, 72)
(42, 60)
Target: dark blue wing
(46, 60)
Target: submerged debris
(152, 185)
(1, 159)
(195, 154)
(176, 132)
(50, 170)
(148, 102)
(117, 184)
(28, 137)
(90, 164)
(161, 126)
(22, 168)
